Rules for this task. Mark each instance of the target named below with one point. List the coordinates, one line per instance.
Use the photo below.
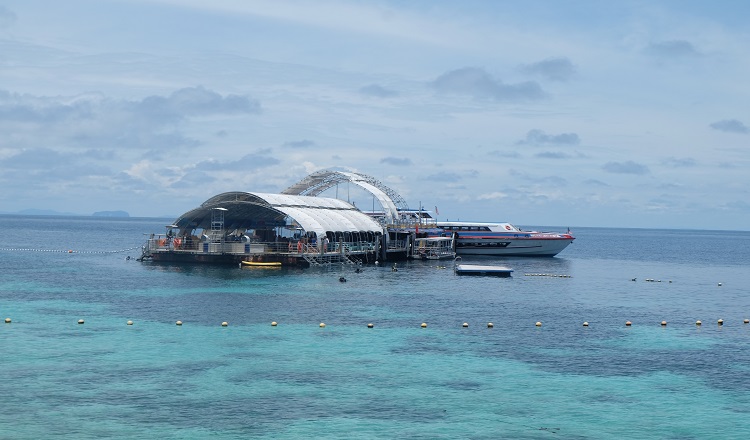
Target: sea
(515, 380)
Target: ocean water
(106, 379)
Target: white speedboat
(501, 239)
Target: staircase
(329, 258)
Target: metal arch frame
(320, 181)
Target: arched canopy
(250, 210)
(320, 181)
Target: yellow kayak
(261, 263)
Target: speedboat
(501, 239)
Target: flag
(436, 211)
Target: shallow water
(200, 380)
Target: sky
(576, 113)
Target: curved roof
(250, 210)
(320, 181)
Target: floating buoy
(719, 284)
(538, 324)
(746, 321)
(628, 323)
(720, 321)
(130, 322)
(224, 324)
(7, 320)
(585, 324)
(698, 323)
(370, 325)
(424, 325)
(178, 322)
(664, 323)
(80, 321)
(70, 251)
(273, 324)
(465, 324)
(490, 325)
(322, 325)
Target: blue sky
(578, 113)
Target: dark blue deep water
(105, 379)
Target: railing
(156, 245)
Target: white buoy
(585, 324)
(178, 322)
(538, 324)
(224, 324)
(720, 321)
(130, 322)
(698, 322)
(424, 325)
(370, 325)
(7, 320)
(80, 321)
(490, 325)
(746, 321)
(719, 284)
(628, 323)
(664, 323)
(466, 324)
(274, 324)
(322, 325)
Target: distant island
(110, 214)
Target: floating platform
(478, 269)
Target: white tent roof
(313, 214)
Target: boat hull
(531, 247)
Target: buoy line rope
(69, 251)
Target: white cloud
(492, 196)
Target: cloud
(304, 143)
(492, 196)
(594, 182)
(476, 82)
(252, 161)
(553, 180)
(7, 17)
(672, 49)
(195, 101)
(539, 137)
(44, 165)
(378, 91)
(95, 121)
(509, 154)
(553, 69)
(730, 126)
(628, 167)
(675, 162)
(553, 155)
(193, 179)
(451, 177)
(398, 161)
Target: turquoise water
(105, 379)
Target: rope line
(69, 251)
